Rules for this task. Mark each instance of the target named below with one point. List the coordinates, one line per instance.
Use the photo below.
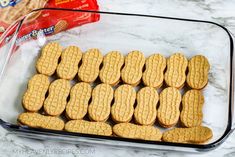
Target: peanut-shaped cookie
(132, 71)
(86, 127)
(128, 130)
(35, 95)
(153, 75)
(56, 101)
(78, 103)
(168, 112)
(110, 72)
(124, 100)
(68, 66)
(37, 120)
(89, 70)
(191, 114)
(99, 109)
(48, 61)
(61, 25)
(175, 74)
(146, 109)
(198, 69)
(199, 134)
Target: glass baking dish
(124, 32)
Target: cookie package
(13, 10)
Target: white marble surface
(216, 10)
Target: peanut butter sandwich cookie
(56, 101)
(79, 97)
(124, 99)
(86, 127)
(153, 75)
(37, 120)
(168, 112)
(35, 95)
(199, 134)
(48, 61)
(146, 109)
(89, 70)
(60, 26)
(191, 114)
(112, 64)
(128, 130)
(99, 109)
(198, 69)
(176, 67)
(68, 66)
(132, 71)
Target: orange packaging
(12, 10)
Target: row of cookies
(199, 134)
(122, 110)
(129, 68)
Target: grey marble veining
(221, 11)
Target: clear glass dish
(125, 32)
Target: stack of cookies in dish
(115, 95)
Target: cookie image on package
(153, 75)
(86, 127)
(80, 95)
(35, 95)
(176, 67)
(89, 70)
(60, 26)
(146, 109)
(112, 64)
(123, 108)
(37, 120)
(68, 66)
(191, 114)
(99, 109)
(132, 71)
(198, 69)
(56, 101)
(48, 61)
(199, 134)
(128, 130)
(2, 29)
(23, 7)
(168, 112)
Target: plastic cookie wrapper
(123, 32)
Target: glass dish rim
(215, 144)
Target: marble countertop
(220, 11)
